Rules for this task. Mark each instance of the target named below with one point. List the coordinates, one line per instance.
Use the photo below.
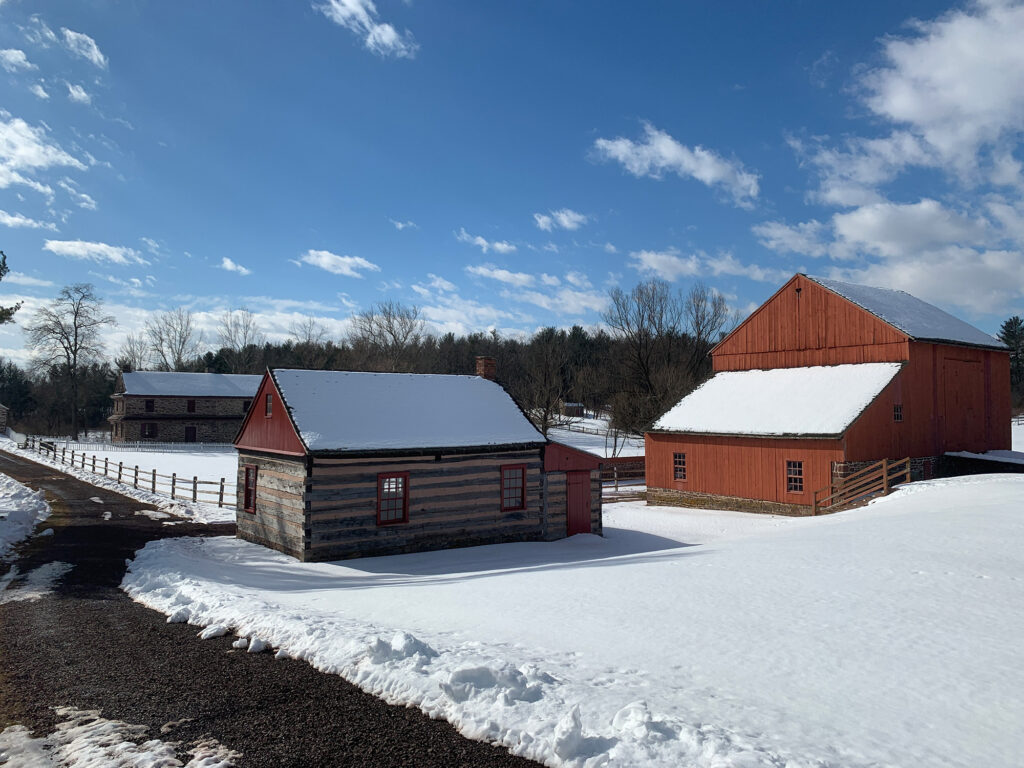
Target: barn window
(191, 406)
(513, 487)
(897, 412)
(149, 430)
(678, 466)
(150, 406)
(250, 489)
(795, 476)
(269, 408)
(392, 498)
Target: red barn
(823, 379)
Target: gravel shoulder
(87, 645)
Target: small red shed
(823, 379)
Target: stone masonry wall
(670, 497)
(216, 419)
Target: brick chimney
(487, 367)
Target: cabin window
(250, 489)
(795, 476)
(513, 487)
(150, 406)
(897, 412)
(269, 408)
(149, 430)
(392, 498)
(678, 466)
(191, 406)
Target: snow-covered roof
(354, 411)
(174, 384)
(818, 400)
(918, 319)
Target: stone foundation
(921, 468)
(674, 498)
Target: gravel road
(89, 646)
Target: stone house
(171, 407)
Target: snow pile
(21, 509)
(878, 636)
(1017, 432)
(918, 319)
(33, 585)
(817, 400)
(349, 411)
(86, 740)
(199, 512)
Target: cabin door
(578, 512)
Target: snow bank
(21, 509)
(34, 585)
(87, 740)
(879, 636)
(199, 464)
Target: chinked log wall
(280, 518)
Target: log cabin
(823, 380)
(177, 407)
(340, 464)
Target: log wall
(280, 518)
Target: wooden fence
(178, 488)
(879, 478)
(141, 447)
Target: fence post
(94, 463)
(106, 465)
(72, 458)
(195, 482)
(136, 475)
(63, 453)
(174, 481)
(120, 468)
(220, 496)
(885, 477)
(154, 481)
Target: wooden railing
(878, 478)
(178, 488)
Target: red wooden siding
(578, 502)
(274, 433)
(811, 327)
(747, 467)
(563, 458)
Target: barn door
(578, 512)
(190, 434)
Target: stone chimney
(487, 367)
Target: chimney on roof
(487, 367)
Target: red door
(578, 502)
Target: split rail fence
(179, 488)
(878, 478)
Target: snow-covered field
(598, 444)
(21, 509)
(888, 635)
(1018, 437)
(206, 465)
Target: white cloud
(804, 238)
(14, 60)
(520, 279)
(350, 266)
(151, 245)
(360, 17)
(564, 218)
(84, 46)
(39, 92)
(19, 278)
(439, 283)
(609, 248)
(549, 280)
(231, 266)
(15, 220)
(98, 252)
(658, 153)
(727, 264)
(564, 301)
(498, 246)
(24, 148)
(78, 94)
(667, 264)
(897, 230)
(81, 199)
(578, 279)
(39, 33)
(400, 225)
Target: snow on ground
(886, 635)
(598, 444)
(87, 740)
(34, 585)
(21, 509)
(208, 465)
(1018, 436)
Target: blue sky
(502, 165)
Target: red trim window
(249, 486)
(795, 476)
(897, 412)
(269, 407)
(190, 406)
(513, 487)
(392, 498)
(678, 466)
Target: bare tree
(134, 354)
(308, 330)
(642, 319)
(66, 336)
(544, 384)
(242, 338)
(6, 313)
(174, 339)
(389, 331)
(706, 315)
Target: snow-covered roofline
(179, 384)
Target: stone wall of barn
(280, 519)
(216, 419)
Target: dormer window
(269, 406)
